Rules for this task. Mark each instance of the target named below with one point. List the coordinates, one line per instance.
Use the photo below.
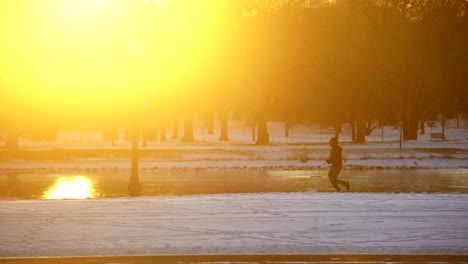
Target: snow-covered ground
(306, 148)
(309, 223)
(237, 224)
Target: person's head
(333, 141)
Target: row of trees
(368, 63)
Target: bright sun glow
(103, 58)
(71, 188)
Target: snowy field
(270, 223)
(312, 223)
(305, 148)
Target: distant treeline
(369, 63)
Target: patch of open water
(188, 182)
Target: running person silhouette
(336, 161)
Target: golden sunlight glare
(76, 187)
(95, 57)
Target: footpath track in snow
(273, 223)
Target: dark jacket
(335, 156)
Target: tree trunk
(175, 129)
(422, 127)
(287, 126)
(410, 122)
(162, 137)
(134, 188)
(223, 118)
(262, 138)
(337, 129)
(209, 123)
(188, 128)
(12, 138)
(353, 131)
(145, 136)
(382, 127)
(360, 129)
(253, 132)
(443, 124)
(361, 133)
(114, 136)
(443, 132)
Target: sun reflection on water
(77, 187)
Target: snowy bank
(306, 148)
(282, 156)
(237, 224)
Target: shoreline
(273, 157)
(144, 166)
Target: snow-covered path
(237, 224)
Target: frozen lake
(216, 181)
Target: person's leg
(345, 183)
(332, 176)
(337, 171)
(341, 182)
